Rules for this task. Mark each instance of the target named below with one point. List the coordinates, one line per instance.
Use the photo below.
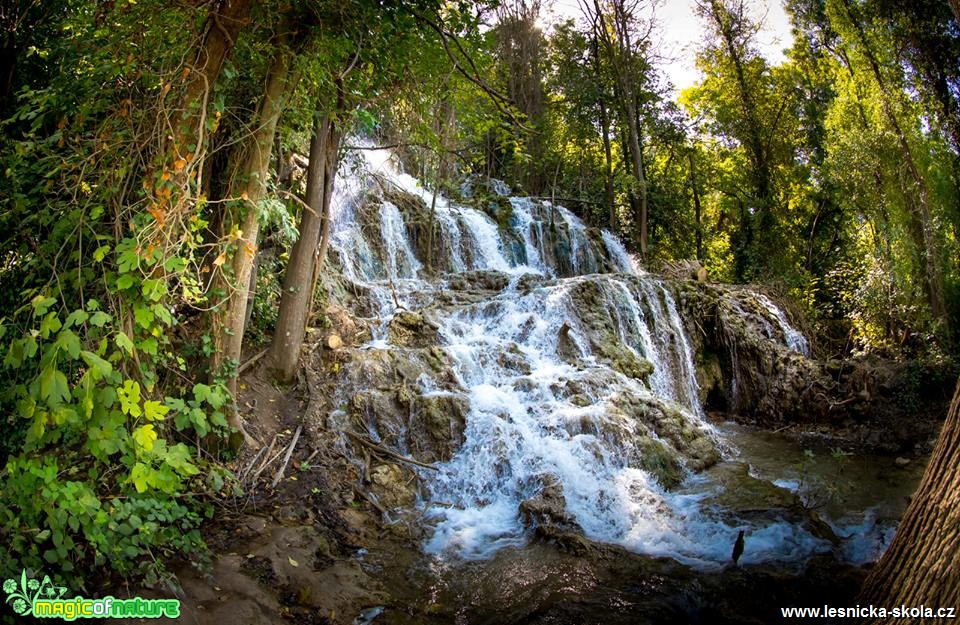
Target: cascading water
(584, 382)
(794, 339)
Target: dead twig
(253, 359)
(373, 502)
(286, 459)
(383, 450)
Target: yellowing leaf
(145, 436)
(154, 410)
(139, 476)
(292, 561)
(219, 260)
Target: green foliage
(101, 464)
(116, 498)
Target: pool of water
(767, 481)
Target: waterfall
(794, 339)
(401, 261)
(586, 382)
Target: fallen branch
(286, 459)
(383, 450)
(376, 504)
(246, 470)
(273, 442)
(252, 360)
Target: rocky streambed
(520, 425)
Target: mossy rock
(437, 424)
(660, 461)
(412, 329)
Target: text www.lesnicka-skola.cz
(870, 611)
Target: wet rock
(710, 379)
(412, 329)
(743, 496)
(546, 514)
(677, 434)
(436, 426)
(567, 348)
(478, 281)
(393, 485)
(655, 458)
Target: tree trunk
(636, 162)
(605, 135)
(298, 278)
(187, 142)
(920, 566)
(697, 213)
(228, 319)
(955, 5)
(181, 156)
(330, 176)
(621, 56)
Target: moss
(411, 329)
(661, 462)
(709, 374)
(436, 358)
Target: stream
(581, 420)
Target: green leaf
(100, 318)
(68, 342)
(101, 252)
(125, 281)
(97, 363)
(154, 289)
(53, 386)
(41, 304)
(26, 407)
(143, 315)
(76, 318)
(124, 342)
(178, 457)
(51, 323)
(139, 476)
(130, 398)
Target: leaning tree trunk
(920, 566)
(330, 177)
(243, 225)
(185, 147)
(298, 278)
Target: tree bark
(224, 22)
(330, 176)
(298, 278)
(228, 320)
(920, 566)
